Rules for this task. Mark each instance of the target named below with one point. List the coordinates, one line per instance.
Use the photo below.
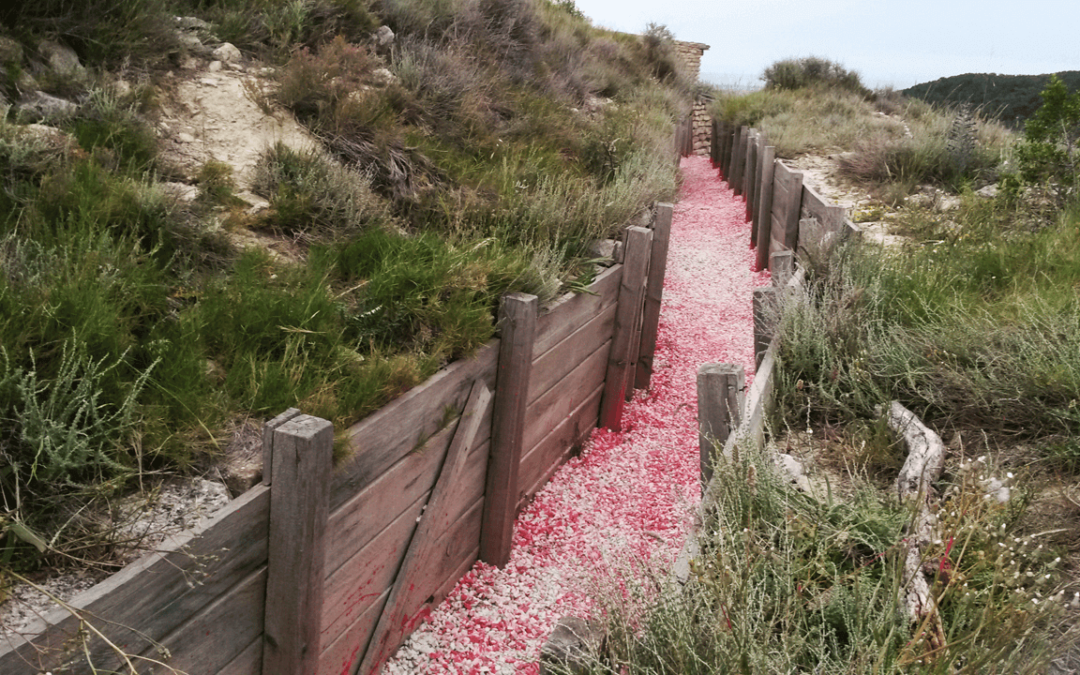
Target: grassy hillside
(1012, 99)
(479, 152)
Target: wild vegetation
(481, 153)
(1010, 99)
(973, 325)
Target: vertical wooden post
(759, 185)
(782, 264)
(746, 168)
(764, 227)
(751, 179)
(268, 442)
(765, 315)
(721, 389)
(736, 163)
(631, 288)
(714, 144)
(517, 329)
(299, 509)
(654, 294)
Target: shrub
(1048, 155)
(813, 72)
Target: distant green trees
(1012, 99)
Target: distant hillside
(1011, 97)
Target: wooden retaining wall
(325, 569)
(786, 214)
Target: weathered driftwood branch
(924, 464)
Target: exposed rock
(989, 192)
(242, 467)
(569, 646)
(51, 136)
(384, 76)
(214, 66)
(10, 51)
(227, 53)
(37, 106)
(384, 37)
(603, 251)
(189, 41)
(181, 191)
(191, 23)
(62, 59)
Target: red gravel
(625, 505)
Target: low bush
(813, 72)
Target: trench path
(622, 510)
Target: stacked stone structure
(689, 55)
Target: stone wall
(689, 55)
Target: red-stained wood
(654, 295)
(299, 509)
(545, 458)
(517, 323)
(351, 589)
(548, 411)
(631, 290)
(393, 624)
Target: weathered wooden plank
(454, 552)
(390, 629)
(720, 391)
(299, 510)
(782, 264)
(725, 159)
(574, 310)
(217, 634)
(517, 322)
(370, 570)
(787, 197)
(556, 405)
(560, 361)
(751, 176)
(544, 459)
(766, 309)
(357, 521)
(380, 440)
(268, 441)
(631, 289)
(248, 661)
(737, 160)
(759, 186)
(155, 593)
(764, 226)
(654, 295)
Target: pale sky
(888, 43)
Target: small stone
(37, 106)
(10, 51)
(214, 66)
(227, 53)
(603, 251)
(190, 64)
(384, 36)
(208, 81)
(185, 137)
(988, 192)
(62, 59)
(191, 23)
(568, 647)
(189, 41)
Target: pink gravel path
(625, 505)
